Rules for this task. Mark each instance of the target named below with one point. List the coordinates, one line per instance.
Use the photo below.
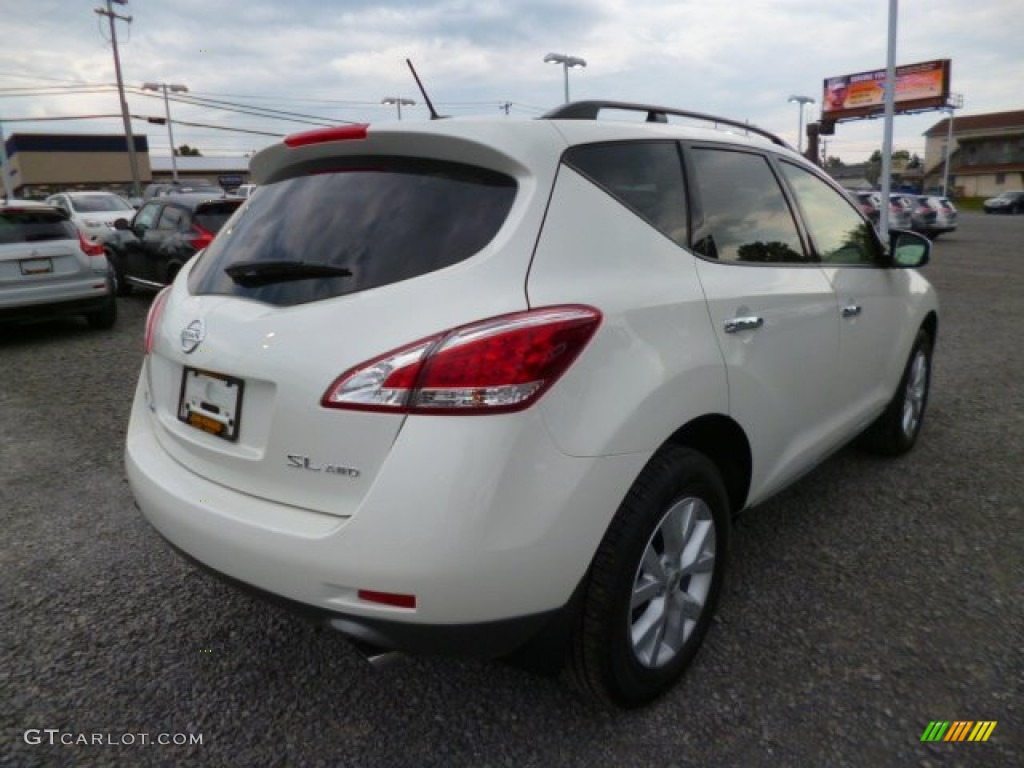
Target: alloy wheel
(672, 582)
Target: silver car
(94, 213)
(48, 268)
(900, 212)
(945, 215)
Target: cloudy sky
(321, 61)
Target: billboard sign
(918, 87)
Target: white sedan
(94, 213)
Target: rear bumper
(482, 519)
(485, 640)
(24, 313)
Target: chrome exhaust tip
(378, 658)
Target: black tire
(607, 663)
(105, 318)
(121, 286)
(895, 431)
(172, 272)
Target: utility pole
(129, 139)
(505, 106)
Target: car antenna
(426, 99)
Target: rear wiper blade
(251, 274)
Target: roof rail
(588, 110)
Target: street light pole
(566, 61)
(889, 114)
(5, 165)
(173, 88)
(955, 100)
(800, 102)
(399, 103)
(129, 138)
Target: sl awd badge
(193, 336)
(298, 461)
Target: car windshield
(31, 226)
(377, 220)
(99, 203)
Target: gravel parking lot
(868, 600)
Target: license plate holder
(42, 266)
(211, 402)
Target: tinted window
(99, 203)
(211, 216)
(745, 214)
(646, 177)
(382, 219)
(172, 218)
(31, 226)
(146, 217)
(840, 234)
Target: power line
(277, 114)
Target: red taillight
(153, 318)
(90, 247)
(388, 598)
(495, 366)
(321, 135)
(198, 237)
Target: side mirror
(909, 249)
(122, 224)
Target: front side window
(839, 233)
(646, 177)
(146, 217)
(355, 224)
(745, 216)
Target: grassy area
(969, 203)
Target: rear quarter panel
(653, 364)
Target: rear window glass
(212, 216)
(99, 203)
(30, 226)
(377, 220)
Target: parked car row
(930, 215)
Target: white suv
(480, 386)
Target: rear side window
(32, 226)
(646, 177)
(172, 218)
(745, 215)
(370, 221)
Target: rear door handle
(737, 324)
(852, 310)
